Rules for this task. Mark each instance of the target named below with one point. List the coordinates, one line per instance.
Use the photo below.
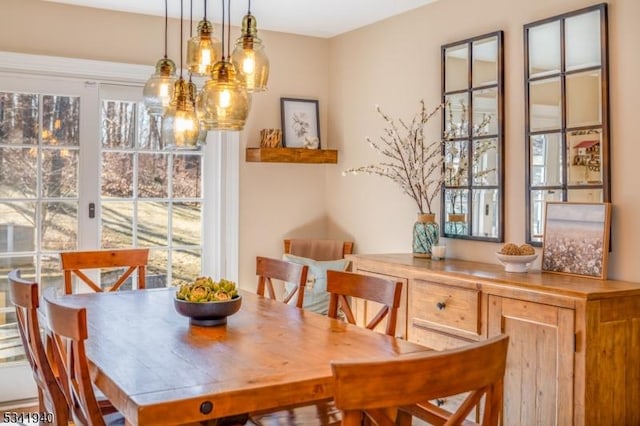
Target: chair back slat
(24, 295)
(74, 263)
(318, 249)
(268, 269)
(409, 383)
(345, 285)
(69, 328)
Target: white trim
(72, 67)
(221, 206)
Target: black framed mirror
(472, 204)
(566, 112)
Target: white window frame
(221, 154)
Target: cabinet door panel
(538, 385)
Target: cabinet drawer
(434, 339)
(446, 308)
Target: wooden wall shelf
(291, 155)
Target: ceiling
(318, 18)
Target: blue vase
(426, 233)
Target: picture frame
(576, 239)
(300, 123)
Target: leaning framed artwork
(576, 239)
(300, 123)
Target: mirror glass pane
(584, 99)
(456, 202)
(538, 200)
(582, 38)
(485, 213)
(544, 49)
(485, 162)
(485, 112)
(457, 115)
(456, 163)
(588, 195)
(457, 68)
(546, 159)
(485, 62)
(545, 104)
(584, 158)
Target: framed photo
(576, 239)
(300, 123)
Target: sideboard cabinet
(574, 343)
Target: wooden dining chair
(343, 286)
(268, 269)
(75, 262)
(24, 296)
(68, 329)
(318, 249)
(392, 392)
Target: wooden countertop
(485, 274)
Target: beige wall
(396, 63)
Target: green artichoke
(205, 289)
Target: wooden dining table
(156, 368)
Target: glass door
(40, 139)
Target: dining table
(158, 369)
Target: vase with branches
(416, 165)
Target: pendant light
(223, 103)
(203, 50)
(193, 90)
(158, 91)
(180, 125)
(249, 56)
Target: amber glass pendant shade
(180, 126)
(249, 57)
(223, 103)
(203, 50)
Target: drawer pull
(441, 306)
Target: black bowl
(208, 313)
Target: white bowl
(514, 263)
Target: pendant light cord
(181, 20)
(249, 9)
(205, 10)
(166, 25)
(191, 18)
(229, 30)
(223, 30)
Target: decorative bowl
(207, 314)
(516, 263)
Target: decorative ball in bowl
(516, 258)
(207, 302)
